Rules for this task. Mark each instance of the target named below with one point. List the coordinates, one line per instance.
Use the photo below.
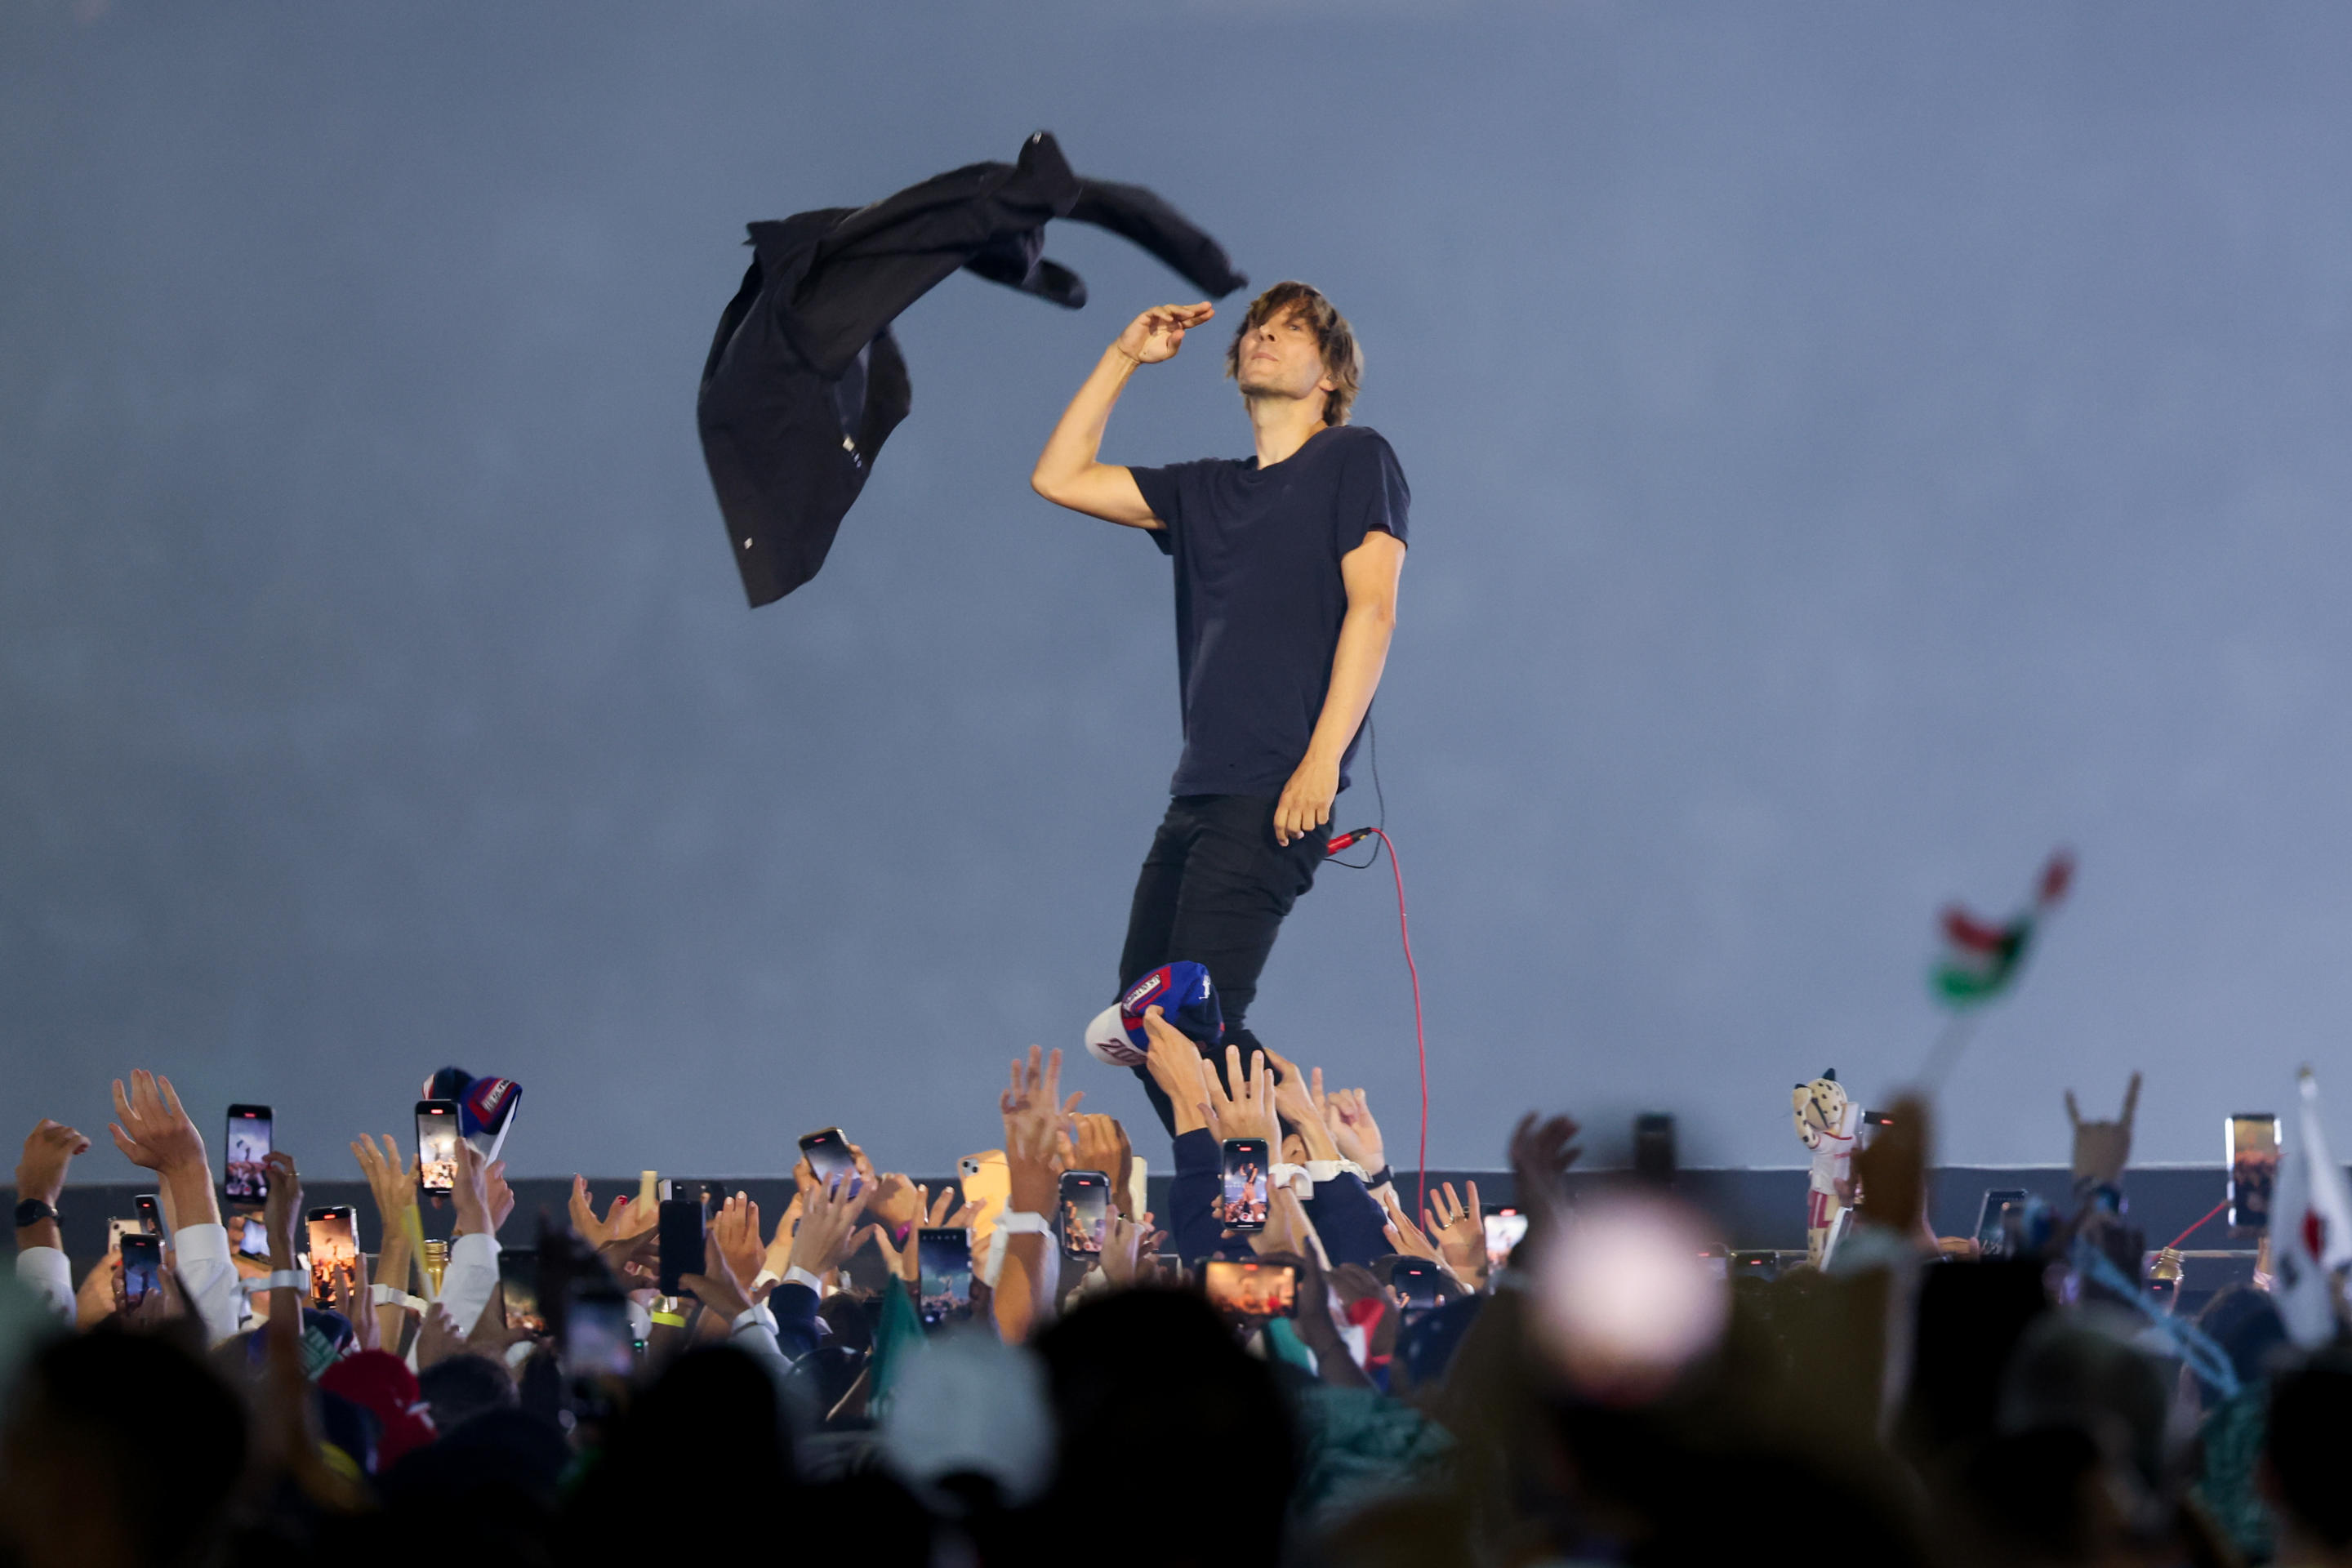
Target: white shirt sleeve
(207, 1273)
(754, 1333)
(47, 1270)
(471, 1279)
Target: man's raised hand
(49, 1148)
(1249, 1111)
(153, 1131)
(1159, 332)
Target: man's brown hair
(1343, 362)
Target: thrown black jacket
(804, 381)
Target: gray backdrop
(1854, 449)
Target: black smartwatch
(32, 1211)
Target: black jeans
(1214, 889)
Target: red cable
(2184, 1236)
(1420, 1039)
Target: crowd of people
(1603, 1391)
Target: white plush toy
(1826, 1123)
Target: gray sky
(1853, 449)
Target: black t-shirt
(1259, 597)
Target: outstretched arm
(1370, 572)
(1069, 472)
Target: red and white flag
(2311, 1226)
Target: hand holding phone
(245, 1177)
(436, 1147)
(829, 1154)
(1086, 1213)
(1414, 1280)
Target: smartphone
(1086, 1213)
(828, 1155)
(244, 1179)
(1756, 1265)
(437, 1146)
(1992, 1220)
(1251, 1290)
(1654, 1147)
(143, 1257)
(1505, 1231)
(2253, 1149)
(519, 1292)
(149, 1211)
(116, 1229)
(674, 1189)
(1245, 1192)
(252, 1238)
(682, 1236)
(1414, 1280)
(943, 1255)
(598, 1342)
(334, 1250)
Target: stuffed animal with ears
(1826, 1123)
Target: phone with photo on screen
(1086, 1213)
(142, 1263)
(827, 1152)
(334, 1251)
(1506, 1229)
(519, 1292)
(437, 1146)
(2253, 1150)
(243, 1178)
(1251, 1290)
(598, 1343)
(1245, 1189)
(943, 1262)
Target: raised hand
(348, 1287)
(718, 1287)
(2102, 1149)
(1541, 1152)
(736, 1229)
(1033, 1121)
(1460, 1232)
(1159, 332)
(1098, 1142)
(440, 1338)
(1349, 1115)
(49, 1148)
(395, 1187)
(622, 1219)
(828, 1232)
(1174, 1063)
(483, 1197)
(1129, 1243)
(1402, 1233)
(1248, 1112)
(282, 1213)
(1294, 1100)
(896, 1202)
(153, 1131)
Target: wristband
(1383, 1177)
(765, 1277)
(393, 1296)
(796, 1275)
(1279, 1175)
(1014, 1222)
(282, 1279)
(1321, 1171)
(670, 1319)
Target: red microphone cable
(1420, 1038)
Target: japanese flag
(2311, 1226)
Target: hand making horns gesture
(1159, 332)
(2102, 1149)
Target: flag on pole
(2311, 1226)
(1980, 958)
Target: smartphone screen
(252, 1238)
(944, 1257)
(1086, 1213)
(436, 1145)
(150, 1213)
(1654, 1147)
(2253, 1149)
(1992, 1217)
(1243, 1200)
(1251, 1290)
(245, 1180)
(1505, 1231)
(334, 1251)
(1414, 1280)
(680, 1225)
(142, 1257)
(828, 1155)
(519, 1291)
(597, 1339)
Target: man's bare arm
(1370, 572)
(1069, 471)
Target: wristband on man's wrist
(1384, 1176)
(1017, 1222)
(32, 1211)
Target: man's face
(1280, 358)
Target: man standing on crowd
(1287, 565)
